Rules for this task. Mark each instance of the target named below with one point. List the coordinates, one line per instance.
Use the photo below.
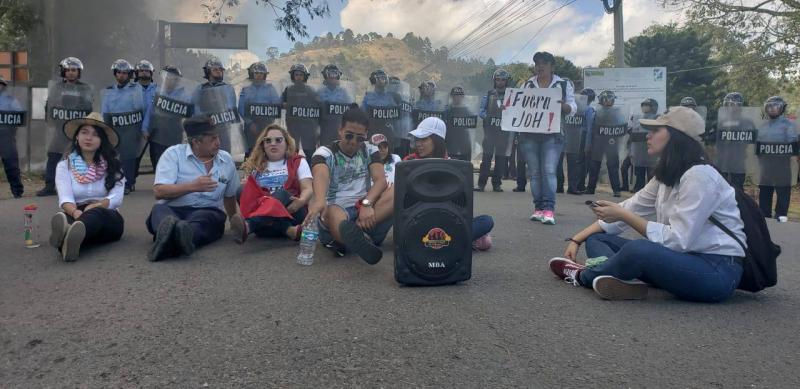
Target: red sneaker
(566, 270)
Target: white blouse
(71, 191)
(682, 213)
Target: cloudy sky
(581, 31)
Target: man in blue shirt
(143, 76)
(259, 92)
(194, 182)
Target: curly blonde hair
(257, 160)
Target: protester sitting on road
(389, 160)
(344, 196)
(193, 182)
(277, 187)
(684, 253)
(429, 141)
(90, 187)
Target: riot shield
(219, 103)
(65, 101)
(335, 100)
(776, 148)
(638, 142)
(461, 117)
(384, 110)
(13, 114)
(609, 133)
(172, 103)
(260, 105)
(405, 124)
(735, 139)
(574, 127)
(427, 107)
(495, 140)
(123, 109)
(302, 114)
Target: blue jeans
(208, 224)
(542, 153)
(688, 276)
(377, 234)
(481, 226)
(275, 227)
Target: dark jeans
(612, 165)
(11, 166)
(643, 175)
(521, 169)
(103, 225)
(275, 227)
(735, 179)
(376, 234)
(50, 169)
(765, 200)
(129, 169)
(481, 226)
(560, 174)
(208, 224)
(156, 151)
(688, 276)
(576, 172)
(500, 166)
(625, 173)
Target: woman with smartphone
(684, 253)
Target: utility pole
(615, 7)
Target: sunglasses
(359, 138)
(277, 140)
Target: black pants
(560, 174)
(612, 165)
(500, 166)
(11, 166)
(576, 172)
(735, 179)
(50, 169)
(522, 171)
(643, 175)
(156, 151)
(625, 173)
(275, 227)
(208, 224)
(765, 200)
(103, 225)
(461, 157)
(130, 168)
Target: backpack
(760, 270)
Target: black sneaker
(518, 189)
(355, 240)
(336, 248)
(184, 236)
(127, 191)
(617, 194)
(17, 195)
(46, 191)
(478, 189)
(497, 189)
(163, 239)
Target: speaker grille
(460, 200)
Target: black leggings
(765, 200)
(735, 179)
(103, 225)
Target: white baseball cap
(683, 119)
(430, 126)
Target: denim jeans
(481, 226)
(542, 153)
(275, 227)
(376, 234)
(688, 276)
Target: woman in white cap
(684, 253)
(90, 187)
(429, 142)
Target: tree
(348, 37)
(288, 12)
(16, 20)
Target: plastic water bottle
(31, 226)
(308, 243)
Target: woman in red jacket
(277, 189)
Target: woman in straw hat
(90, 187)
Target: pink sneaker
(549, 217)
(537, 216)
(483, 243)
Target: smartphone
(592, 203)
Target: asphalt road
(248, 316)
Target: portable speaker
(433, 222)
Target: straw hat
(94, 119)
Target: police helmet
(589, 93)
(299, 67)
(733, 99)
(212, 63)
(256, 67)
(70, 63)
(331, 71)
(652, 103)
(607, 96)
(373, 77)
(173, 70)
(457, 91)
(122, 66)
(688, 101)
(775, 101)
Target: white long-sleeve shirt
(682, 213)
(71, 191)
(569, 94)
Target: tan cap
(683, 119)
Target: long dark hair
(107, 152)
(439, 147)
(680, 153)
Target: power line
(499, 28)
(736, 63)
(536, 34)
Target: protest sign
(536, 110)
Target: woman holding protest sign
(542, 151)
(684, 253)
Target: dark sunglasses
(277, 140)
(359, 138)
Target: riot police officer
(12, 117)
(332, 95)
(302, 109)
(776, 147)
(143, 76)
(259, 92)
(607, 139)
(218, 98)
(381, 105)
(496, 142)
